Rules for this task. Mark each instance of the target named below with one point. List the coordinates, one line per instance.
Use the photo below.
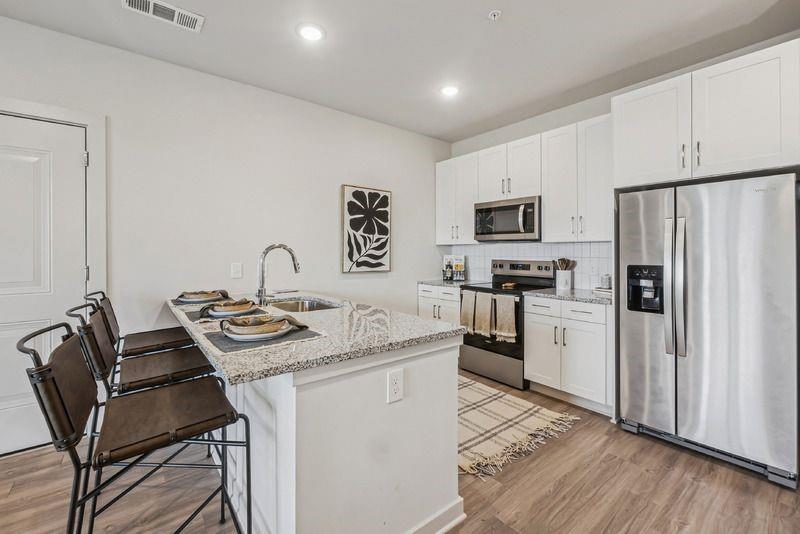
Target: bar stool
(134, 425)
(145, 371)
(139, 343)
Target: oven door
(503, 348)
(506, 220)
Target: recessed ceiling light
(450, 90)
(310, 32)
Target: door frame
(94, 126)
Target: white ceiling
(386, 59)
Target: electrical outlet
(236, 270)
(394, 385)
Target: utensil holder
(564, 280)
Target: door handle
(564, 337)
(555, 335)
(683, 155)
(580, 224)
(433, 312)
(669, 323)
(572, 225)
(508, 184)
(680, 286)
(521, 218)
(698, 153)
(458, 233)
(503, 185)
(439, 312)
(452, 232)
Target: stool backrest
(64, 387)
(99, 349)
(111, 318)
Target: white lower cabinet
(565, 353)
(439, 303)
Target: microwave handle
(521, 218)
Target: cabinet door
(746, 112)
(583, 359)
(466, 195)
(445, 202)
(427, 307)
(449, 311)
(492, 174)
(595, 180)
(653, 133)
(524, 167)
(560, 184)
(543, 350)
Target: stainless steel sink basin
(303, 305)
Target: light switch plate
(236, 270)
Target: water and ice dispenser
(646, 288)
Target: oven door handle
(521, 218)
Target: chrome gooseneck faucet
(261, 294)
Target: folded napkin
(260, 324)
(197, 295)
(505, 327)
(241, 305)
(468, 310)
(483, 313)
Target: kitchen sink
(303, 305)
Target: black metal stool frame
(81, 469)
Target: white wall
(203, 171)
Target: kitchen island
(329, 453)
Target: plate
(232, 313)
(259, 337)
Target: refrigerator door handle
(680, 286)
(669, 319)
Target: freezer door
(736, 323)
(646, 340)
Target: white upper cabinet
(466, 195)
(492, 174)
(445, 202)
(746, 112)
(524, 167)
(653, 133)
(456, 194)
(595, 180)
(560, 184)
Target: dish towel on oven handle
(468, 310)
(484, 316)
(506, 327)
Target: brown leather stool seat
(155, 340)
(156, 418)
(163, 368)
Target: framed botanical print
(366, 229)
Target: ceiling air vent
(167, 13)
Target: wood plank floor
(594, 478)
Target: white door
(583, 359)
(595, 180)
(560, 184)
(445, 202)
(543, 350)
(653, 133)
(427, 307)
(492, 173)
(525, 167)
(466, 195)
(449, 311)
(42, 239)
(746, 112)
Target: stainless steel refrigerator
(708, 319)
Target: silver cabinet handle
(503, 185)
(669, 322)
(433, 312)
(452, 232)
(439, 313)
(572, 225)
(458, 233)
(564, 337)
(698, 153)
(683, 155)
(680, 286)
(580, 223)
(555, 335)
(508, 184)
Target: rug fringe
(486, 466)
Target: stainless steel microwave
(517, 219)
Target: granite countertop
(574, 295)
(350, 331)
(446, 283)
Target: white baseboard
(443, 520)
(602, 409)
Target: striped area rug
(495, 428)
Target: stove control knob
(539, 268)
